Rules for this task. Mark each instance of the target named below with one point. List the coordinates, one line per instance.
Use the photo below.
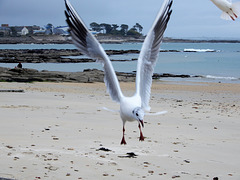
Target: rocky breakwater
(60, 56)
(31, 75)
(50, 55)
(57, 55)
(40, 56)
(87, 76)
(41, 39)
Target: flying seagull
(131, 108)
(230, 10)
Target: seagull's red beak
(141, 121)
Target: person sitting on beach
(19, 65)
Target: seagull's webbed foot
(123, 141)
(141, 138)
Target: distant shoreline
(56, 39)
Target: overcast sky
(190, 18)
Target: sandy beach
(60, 131)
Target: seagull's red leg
(123, 139)
(141, 138)
(233, 14)
(232, 18)
(230, 15)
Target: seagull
(131, 108)
(230, 10)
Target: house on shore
(49, 29)
(5, 31)
(24, 31)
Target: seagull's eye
(136, 114)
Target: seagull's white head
(138, 114)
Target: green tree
(107, 27)
(113, 29)
(124, 29)
(14, 31)
(95, 26)
(115, 26)
(139, 27)
(133, 32)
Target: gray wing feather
(149, 53)
(89, 46)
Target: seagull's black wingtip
(170, 4)
(67, 4)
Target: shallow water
(221, 64)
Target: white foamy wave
(220, 77)
(199, 50)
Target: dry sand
(54, 131)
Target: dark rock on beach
(31, 75)
(51, 55)
(44, 39)
(157, 76)
(104, 149)
(40, 56)
(129, 155)
(56, 55)
(87, 76)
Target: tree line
(114, 29)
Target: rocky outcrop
(50, 55)
(30, 75)
(87, 76)
(37, 55)
(45, 39)
(56, 55)
(58, 39)
(165, 75)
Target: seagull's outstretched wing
(89, 46)
(149, 53)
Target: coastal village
(105, 33)
(110, 29)
(6, 30)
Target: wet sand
(60, 131)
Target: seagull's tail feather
(226, 16)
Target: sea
(204, 62)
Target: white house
(24, 31)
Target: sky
(190, 18)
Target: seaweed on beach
(129, 155)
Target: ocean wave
(199, 50)
(220, 77)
